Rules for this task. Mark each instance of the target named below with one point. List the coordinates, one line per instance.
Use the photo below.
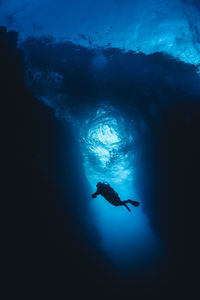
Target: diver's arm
(95, 194)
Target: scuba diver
(111, 196)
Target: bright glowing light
(107, 135)
(105, 143)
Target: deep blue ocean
(123, 78)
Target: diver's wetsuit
(111, 196)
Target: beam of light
(109, 150)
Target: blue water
(108, 139)
(168, 26)
(109, 147)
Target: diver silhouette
(111, 196)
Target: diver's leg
(126, 206)
(135, 203)
(120, 203)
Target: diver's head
(99, 184)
